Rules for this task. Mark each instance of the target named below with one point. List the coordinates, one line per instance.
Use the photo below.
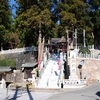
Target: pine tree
(5, 21)
(32, 18)
(95, 19)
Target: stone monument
(73, 75)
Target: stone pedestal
(73, 75)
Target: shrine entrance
(27, 68)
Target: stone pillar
(3, 81)
(15, 72)
(73, 75)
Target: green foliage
(34, 15)
(84, 50)
(7, 63)
(89, 39)
(5, 20)
(95, 20)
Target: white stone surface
(73, 65)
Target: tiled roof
(63, 39)
(29, 64)
(5, 69)
(54, 40)
(58, 40)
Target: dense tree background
(51, 18)
(5, 22)
(32, 17)
(95, 19)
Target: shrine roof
(58, 40)
(29, 64)
(62, 39)
(4, 69)
(54, 40)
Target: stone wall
(20, 58)
(90, 69)
(10, 77)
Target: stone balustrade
(74, 82)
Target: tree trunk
(96, 42)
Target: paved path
(34, 94)
(91, 92)
(23, 95)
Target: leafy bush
(6, 62)
(84, 50)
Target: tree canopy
(51, 18)
(5, 21)
(95, 19)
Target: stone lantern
(33, 76)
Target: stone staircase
(49, 78)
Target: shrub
(84, 50)
(6, 62)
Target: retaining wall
(90, 69)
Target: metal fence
(95, 55)
(92, 56)
(91, 47)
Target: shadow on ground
(17, 94)
(98, 93)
